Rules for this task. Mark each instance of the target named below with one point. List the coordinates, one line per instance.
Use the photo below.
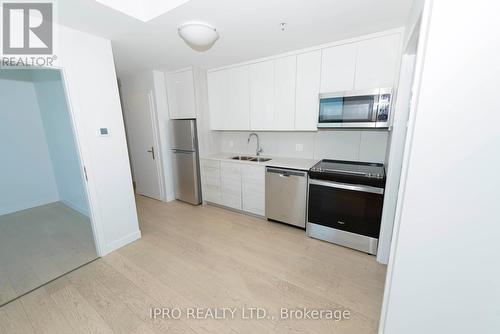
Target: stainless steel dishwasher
(286, 195)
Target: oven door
(351, 208)
(349, 109)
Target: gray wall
(40, 162)
(26, 175)
(60, 138)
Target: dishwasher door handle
(286, 173)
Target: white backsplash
(355, 145)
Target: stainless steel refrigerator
(186, 162)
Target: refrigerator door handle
(183, 151)
(152, 151)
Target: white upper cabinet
(272, 94)
(181, 94)
(283, 93)
(307, 91)
(376, 62)
(261, 95)
(228, 99)
(285, 78)
(338, 65)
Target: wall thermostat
(103, 132)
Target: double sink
(249, 158)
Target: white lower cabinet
(253, 189)
(234, 185)
(231, 184)
(211, 185)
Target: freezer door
(184, 134)
(186, 176)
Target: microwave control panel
(384, 105)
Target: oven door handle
(346, 186)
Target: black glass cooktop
(349, 171)
(350, 167)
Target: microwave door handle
(375, 108)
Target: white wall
(397, 137)
(91, 84)
(352, 145)
(444, 270)
(58, 128)
(412, 20)
(26, 175)
(163, 119)
(143, 83)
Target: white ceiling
(248, 28)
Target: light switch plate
(299, 147)
(231, 143)
(103, 132)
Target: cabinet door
(211, 183)
(285, 71)
(253, 189)
(338, 65)
(217, 103)
(181, 98)
(376, 62)
(261, 95)
(231, 184)
(307, 92)
(229, 99)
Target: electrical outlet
(299, 147)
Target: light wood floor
(40, 244)
(206, 257)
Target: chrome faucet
(258, 151)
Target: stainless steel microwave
(355, 109)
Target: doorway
(45, 218)
(143, 144)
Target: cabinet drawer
(211, 172)
(212, 193)
(207, 163)
(229, 169)
(211, 180)
(231, 201)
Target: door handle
(152, 151)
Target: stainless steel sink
(258, 159)
(248, 158)
(242, 157)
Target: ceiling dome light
(199, 36)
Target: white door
(143, 147)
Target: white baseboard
(76, 207)
(27, 205)
(121, 242)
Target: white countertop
(292, 163)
